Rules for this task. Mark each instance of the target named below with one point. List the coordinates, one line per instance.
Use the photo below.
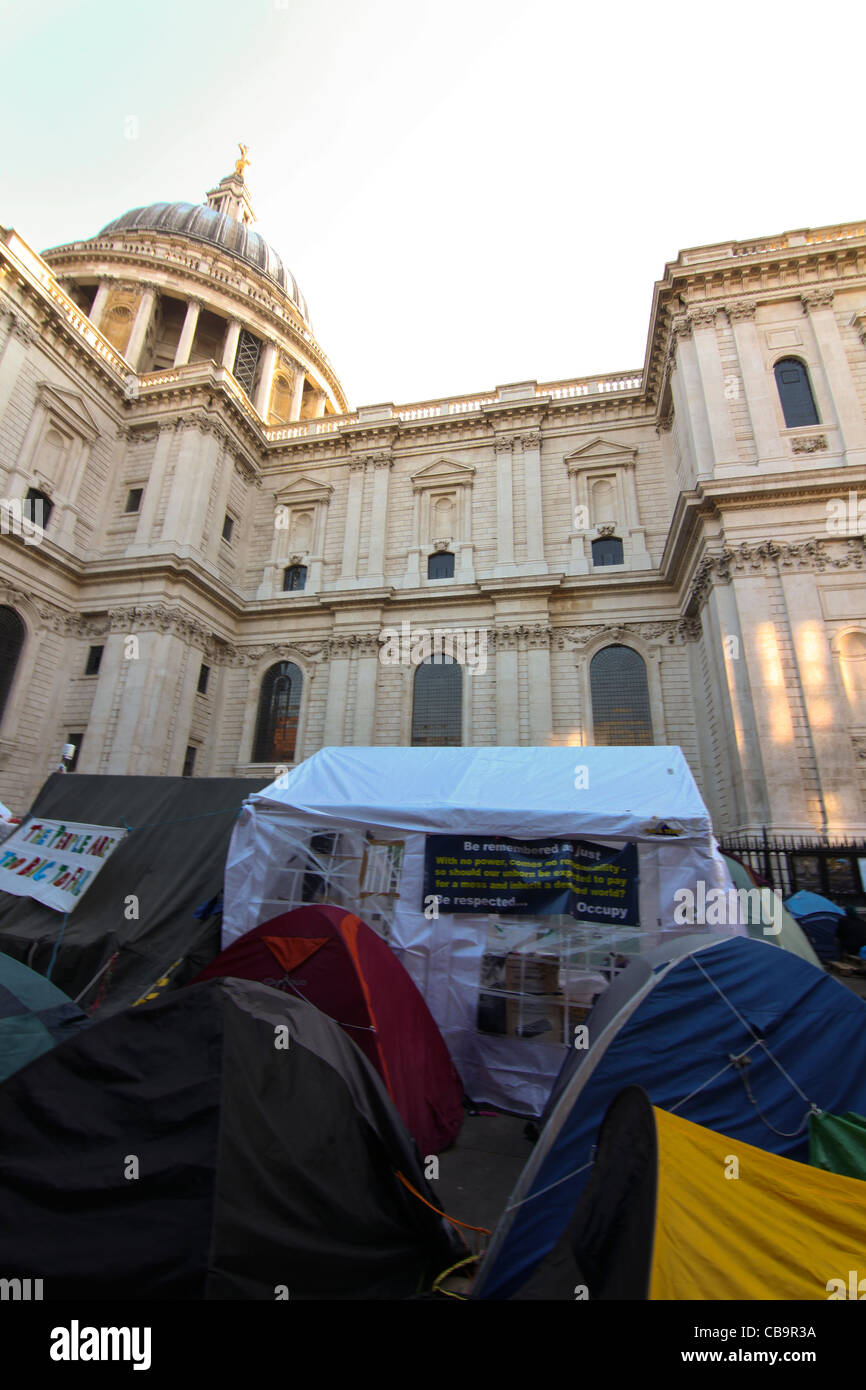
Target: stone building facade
(234, 568)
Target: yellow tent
(676, 1211)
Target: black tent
(224, 1142)
(173, 862)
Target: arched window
(620, 697)
(795, 393)
(607, 551)
(295, 577)
(440, 565)
(37, 507)
(12, 632)
(437, 704)
(279, 710)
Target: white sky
(468, 193)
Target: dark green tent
(838, 1143)
(34, 1016)
(173, 862)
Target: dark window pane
(437, 706)
(228, 527)
(203, 675)
(440, 565)
(189, 762)
(12, 632)
(295, 577)
(94, 657)
(279, 711)
(37, 507)
(75, 740)
(607, 551)
(620, 698)
(133, 499)
(795, 393)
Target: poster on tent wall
(55, 861)
(477, 874)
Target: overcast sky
(468, 193)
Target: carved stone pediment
(302, 490)
(69, 407)
(443, 473)
(597, 452)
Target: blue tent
(34, 1016)
(804, 903)
(724, 1031)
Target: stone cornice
(766, 557)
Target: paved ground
(477, 1173)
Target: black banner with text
(478, 874)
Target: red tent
(333, 960)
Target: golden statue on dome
(242, 163)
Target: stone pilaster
(756, 381)
(818, 305)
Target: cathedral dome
(200, 222)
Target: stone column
(297, 394)
(824, 704)
(266, 379)
(184, 347)
(98, 304)
(504, 507)
(540, 702)
(349, 568)
(100, 751)
(726, 654)
(226, 471)
(379, 518)
(776, 719)
(366, 672)
(532, 482)
(230, 346)
(18, 340)
(756, 380)
(319, 405)
(334, 735)
(190, 490)
(141, 324)
(713, 394)
(153, 490)
(818, 304)
(507, 696)
(688, 399)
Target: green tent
(837, 1143)
(791, 937)
(34, 1016)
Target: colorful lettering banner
(54, 861)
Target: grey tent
(172, 862)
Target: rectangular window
(133, 499)
(228, 527)
(94, 657)
(203, 675)
(189, 762)
(75, 740)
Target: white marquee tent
(507, 987)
